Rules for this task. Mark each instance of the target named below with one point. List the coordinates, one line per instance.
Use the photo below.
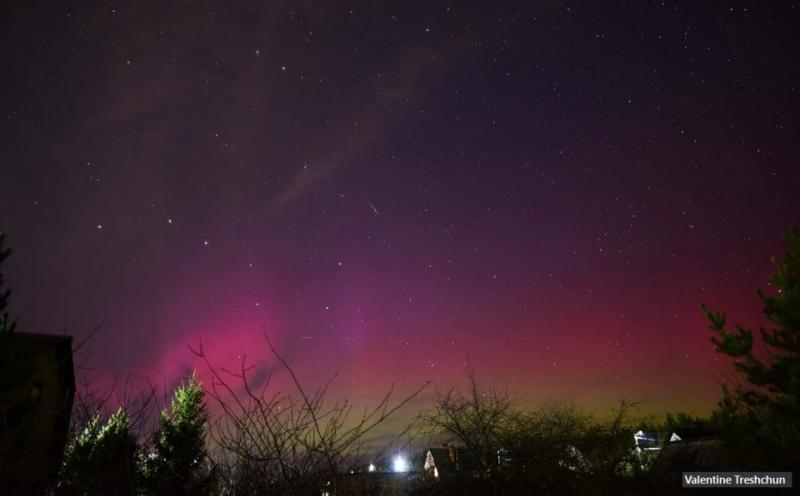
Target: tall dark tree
(101, 459)
(6, 324)
(761, 412)
(180, 464)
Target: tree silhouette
(6, 324)
(278, 443)
(761, 413)
(180, 463)
(101, 459)
(480, 420)
(503, 448)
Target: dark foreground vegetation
(473, 440)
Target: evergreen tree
(180, 463)
(761, 413)
(101, 459)
(6, 324)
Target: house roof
(465, 460)
(442, 460)
(703, 455)
(688, 435)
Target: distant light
(400, 464)
(371, 467)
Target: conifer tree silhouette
(760, 413)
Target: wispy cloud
(394, 97)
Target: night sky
(546, 189)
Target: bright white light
(400, 464)
(371, 467)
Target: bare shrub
(278, 443)
(554, 449)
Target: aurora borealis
(548, 189)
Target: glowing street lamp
(400, 464)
